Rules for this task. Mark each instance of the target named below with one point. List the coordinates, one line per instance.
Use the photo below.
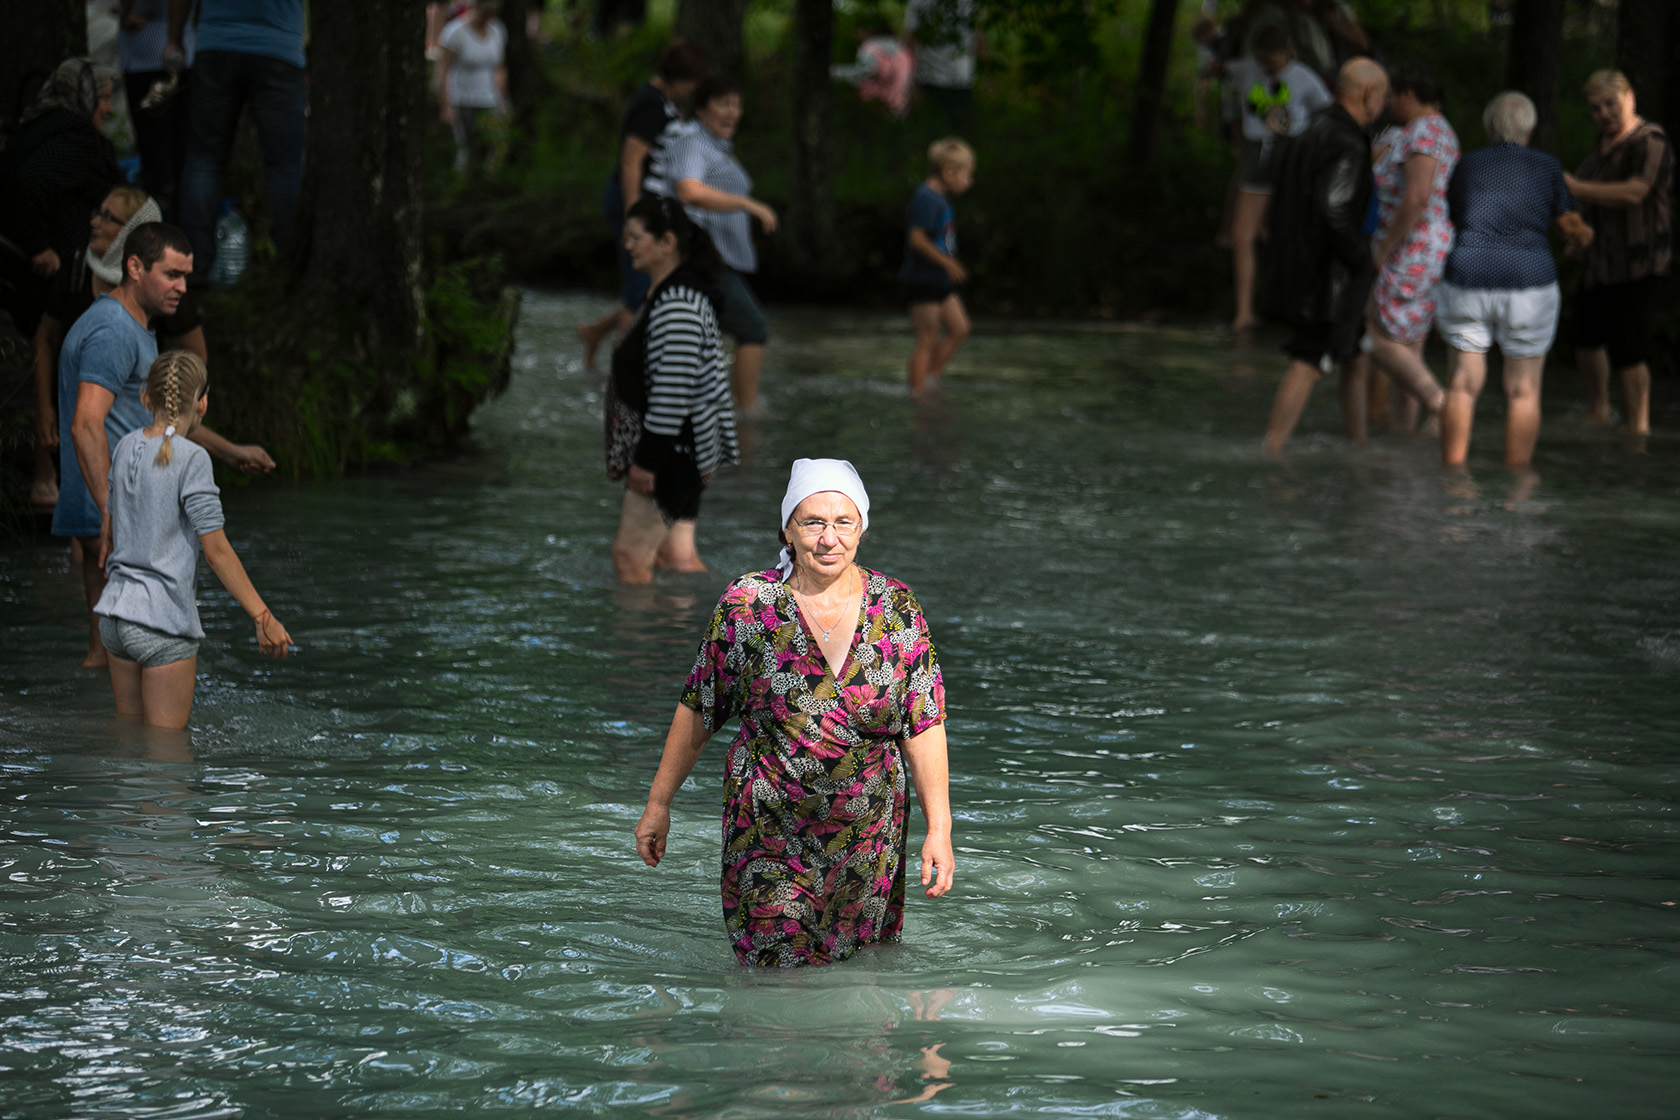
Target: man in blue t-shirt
(930, 273)
(102, 372)
(249, 52)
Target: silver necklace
(811, 615)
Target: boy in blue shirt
(930, 272)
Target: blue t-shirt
(108, 348)
(1502, 200)
(931, 213)
(273, 28)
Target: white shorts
(1522, 321)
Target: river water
(1324, 787)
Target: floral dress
(1405, 294)
(815, 810)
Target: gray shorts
(740, 317)
(133, 641)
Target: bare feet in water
(592, 334)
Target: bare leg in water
(594, 334)
(1636, 384)
(1246, 220)
(1403, 362)
(1297, 387)
(93, 586)
(1467, 373)
(743, 377)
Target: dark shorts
(1313, 341)
(1618, 317)
(676, 489)
(1257, 171)
(923, 293)
(739, 316)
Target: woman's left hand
(939, 865)
(641, 480)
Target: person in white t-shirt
(472, 78)
(1276, 96)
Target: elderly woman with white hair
(831, 671)
(1500, 287)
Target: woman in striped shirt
(670, 424)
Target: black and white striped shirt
(688, 383)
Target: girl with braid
(163, 507)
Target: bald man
(1322, 266)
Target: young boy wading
(930, 273)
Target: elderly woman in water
(831, 671)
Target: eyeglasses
(105, 215)
(816, 527)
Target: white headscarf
(109, 268)
(818, 476)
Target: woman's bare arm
(1420, 183)
(683, 744)
(930, 771)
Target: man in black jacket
(1322, 264)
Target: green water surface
(1330, 787)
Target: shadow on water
(1279, 786)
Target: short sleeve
(450, 37)
(1656, 152)
(646, 120)
(1563, 200)
(108, 356)
(1315, 95)
(199, 496)
(1429, 140)
(712, 688)
(924, 685)
(688, 159)
(927, 211)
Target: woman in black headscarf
(53, 174)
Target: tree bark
(525, 78)
(1643, 45)
(810, 212)
(1152, 82)
(356, 254)
(1535, 65)
(715, 26)
(35, 36)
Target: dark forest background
(1096, 194)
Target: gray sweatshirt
(157, 515)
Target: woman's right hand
(641, 480)
(651, 832)
(272, 638)
(766, 216)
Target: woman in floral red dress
(831, 671)
(1414, 234)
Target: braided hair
(173, 386)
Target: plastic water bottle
(233, 247)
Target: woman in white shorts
(1500, 287)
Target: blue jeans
(223, 83)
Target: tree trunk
(525, 78)
(35, 36)
(1643, 45)
(715, 27)
(1536, 64)
(610, 15)
(810, 212)
(356, 252)
(1152, 82)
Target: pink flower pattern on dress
(1405, 293)
(815, 810)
